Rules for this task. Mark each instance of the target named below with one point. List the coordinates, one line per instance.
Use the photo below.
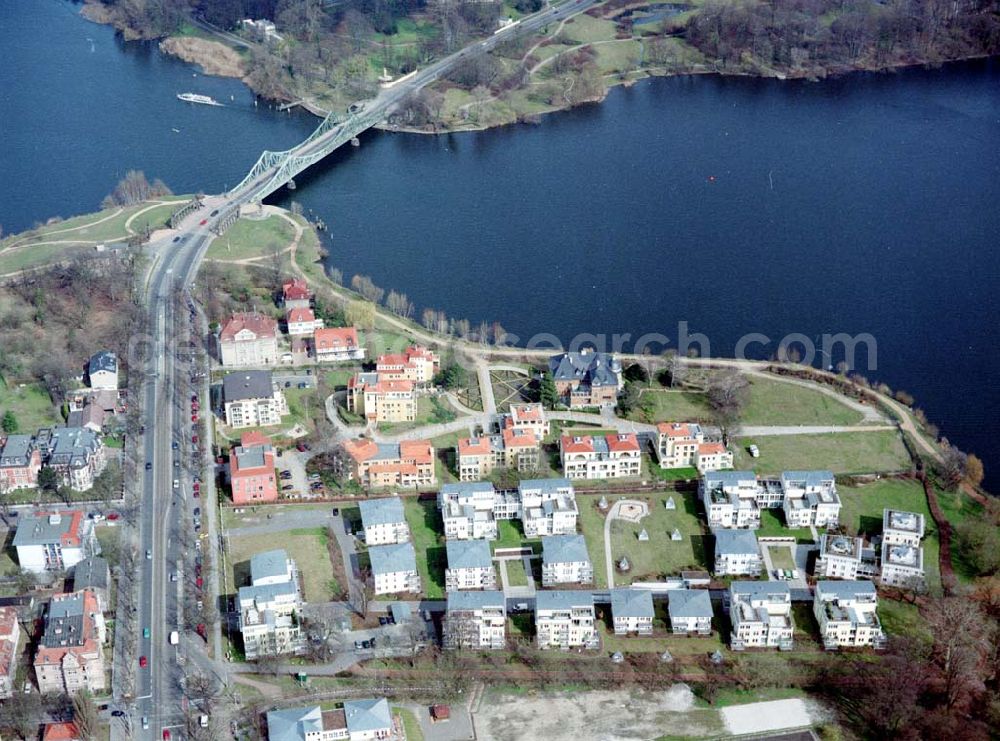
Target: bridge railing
(177, 216)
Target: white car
(145, 723)
(177, 483)
(149, 555)
(754, 451)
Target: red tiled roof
(622, 442)
(474, 446)
(90, 647)
(61, 732)
(360, 450)
(384, 387)
(571, 444)
(420, 451)
(336, 338)
(296, 289)
(297, 316)
(519, 439)
(254, 437)
(674, 429)
(711, 448)
(260, 325)
(527, 412)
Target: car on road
(149, 466)
(143, 662)
(117, 713)
(203, 222)
(215, 213)
(145, 723)
(166, 734)
(174, 445)
(173, 576)
(177, 238)
(288, 487)
(145, 632)
(149, 555)
(177, 484)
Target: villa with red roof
(251, 470)
(514, 449)
(683, 445)
(334, 344)
(416, 364)
(408, 464)
(70, 654)
(249, 339)
(295, 294)
(381, 399)
(302, 322)
(600, 456)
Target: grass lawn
(249, 238)
(516, 575)
(781, 557)
(772, 523)
(585, 29)
(783, 403)
(660, 555)
(300, 407)
(411, 726)
(592, 525)
(676, 406)
(427, 534)
(902, 618)
(306, 546)
(155, 218)
(875, 451)
(338, 378)
(30, 404)
(510, 534)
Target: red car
(194, 439)
(112, 516)
(200, 582)
(200, 223)
(196, 486)
(200, 630)
(142, 662)
(194, 417)
(301, 447)
(194, 398)
(166, 731)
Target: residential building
(70, 655)
(844, 557)
(566, 619)
(354, 720)
(902, 528)
(394, 569)
(846, 613)
(513, 448)
(53, 541)
(263, 30)
(76, 454)
(730, 499)
(475, 620)
(408, 464)
(248, 339)
(600, 457)
(20, 462)
(690, 611)
(94, 575)
(547, 507)
(470, 565)
(586, 378)
(269, 607)
(683, 445)
(467, 510)
(902, 565)
(415, 364)
(761, 614)
(810, 499)
(251, 470)
(102, 370)
(10, 640)
(90, 416)
(737, 553)
(252, 399)
(383, 521)
(565, 561)
(379, 399)
(302, 322)
(528, 418)
(632, 611)
(295, 294)
(336, 344)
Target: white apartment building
(394, 569)
(846, 613)
(683, 445)
(54, 541)
(566, 619)
(632, 611)
(730, 499)
(565, 561)
(472, 509)
(810, 499)
(476, 620)
(528, 418)
(844, 557)
(470, 565)
(902, 565)
(383, 521)
(269, 606)
(737, 553)
(902, 528)
(252, 399)
(365, 719)
(600, 457)
(249, 339)
(468, 510)
(548, 507)
(690, 611)
(761, 614)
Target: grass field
(676, 406)
(781, 557)
(306, 546)
(249, 238)
(772, 523)
(875, 451)
(516, 575)
(427, 534)
(30, 404)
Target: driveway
(295, 463)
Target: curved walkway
(609, 560)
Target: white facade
(843, 557)
(383, 521)
(737, 553)
(760, 614)
(54, 541)
(565, 561)
(472, 509)
(260, 412)
(394, 569)
(476, 620)
(594, 457)
(810, 499)
(902, 565)
(846, 613)
(902, 528)
(566, 619)
(730, 499)
(690, 611)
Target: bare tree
(962, 641)
(728, 394)
(85, 715)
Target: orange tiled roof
(296, 316)
(61, 732)
(519, 439)
(622, 442)
(711, 448)
(336, 338)
(420, 451)
(260, 325)
(674, 429)
(474, 446)
(296, 289)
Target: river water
(866, 204)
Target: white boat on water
(195, 98)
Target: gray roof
(367, 715)
(716, 479)
(251, 456)
(467, 488)
(264, 593)
(268, 564)
(689, 603)
(401, 611)
(294, 723)
(385, 511)
(103, 361)
(810, 478)
(631, 603)
(476, 600)
(91, 572)
(469, 554)
(545, 485)
(564, 549)
(71, 446)
(844, 589)
(563, 599)
(761, 588)
(735, 542)
(64, 622)
(388, 559)
(44, 528)
(255, 384)
(592, 368)
(16, 451)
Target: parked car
(174, 445)
(149, 555)
(145, 632)
(143, 662)
(149, 466)
(288, 487)
(314, 477)
(197, 511)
